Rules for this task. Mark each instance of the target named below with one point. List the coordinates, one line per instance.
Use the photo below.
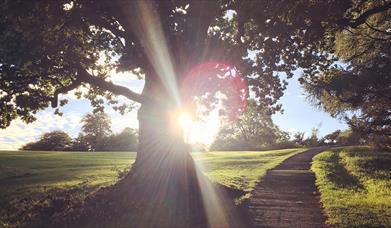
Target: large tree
(51, 47)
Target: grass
(355, 186)
(241, 170)
(29, 177)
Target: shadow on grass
(340, 176)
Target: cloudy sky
(298, 116)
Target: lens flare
(185, 121)
(212, 85)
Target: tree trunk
(164, 171)
(164, 187)
(170, 189)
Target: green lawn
(27, 177)
(26, 172)
(355, 186)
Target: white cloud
(20, 133)
(302, 96)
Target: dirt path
(287, 196)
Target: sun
(203, 130)
(185, 121)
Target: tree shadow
(340, 176)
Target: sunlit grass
(27, 177)
(241, 170)
(31, 171)
(355, 186)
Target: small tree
(95, 130)
(55, 140)
(298, 138)
(313, 140)
(349, 137)
(332, 138)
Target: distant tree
(96, 130)
(253, 130)
(332, 138)
(298, 138)
(349, 137)
(124, 141)
(80, 143)
(52, 141)
(313, 140)
(199, 147)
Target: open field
(355, 186)
(27, 177)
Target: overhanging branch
(86, 77)
(354, 23)
(64, 89)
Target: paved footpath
(287, 196)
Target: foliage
(53, 47)
(80, 143)
(124, 141)
(358, 80)
(45, 174)
(298, 138)
(253, 130)
(55, 140)
(347, 137)
(95, 136)
(332, 138)
(313, 140)
(96, 129)
(355, 186)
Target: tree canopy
(96, 129)
(52, 47)
(253, 130)
(54, 141)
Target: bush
(55, 140)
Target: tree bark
(168, 188)
(165, 174)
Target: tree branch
(377, 30)
(64, 89)
(354, 23)
(84, 76)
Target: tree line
(255, 130)
(95, 135)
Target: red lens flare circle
(213, 81)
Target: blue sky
(298, 116)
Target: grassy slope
(29, 179)
(241, 170)
(355, 186)
(26, 172)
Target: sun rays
(195, 130)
